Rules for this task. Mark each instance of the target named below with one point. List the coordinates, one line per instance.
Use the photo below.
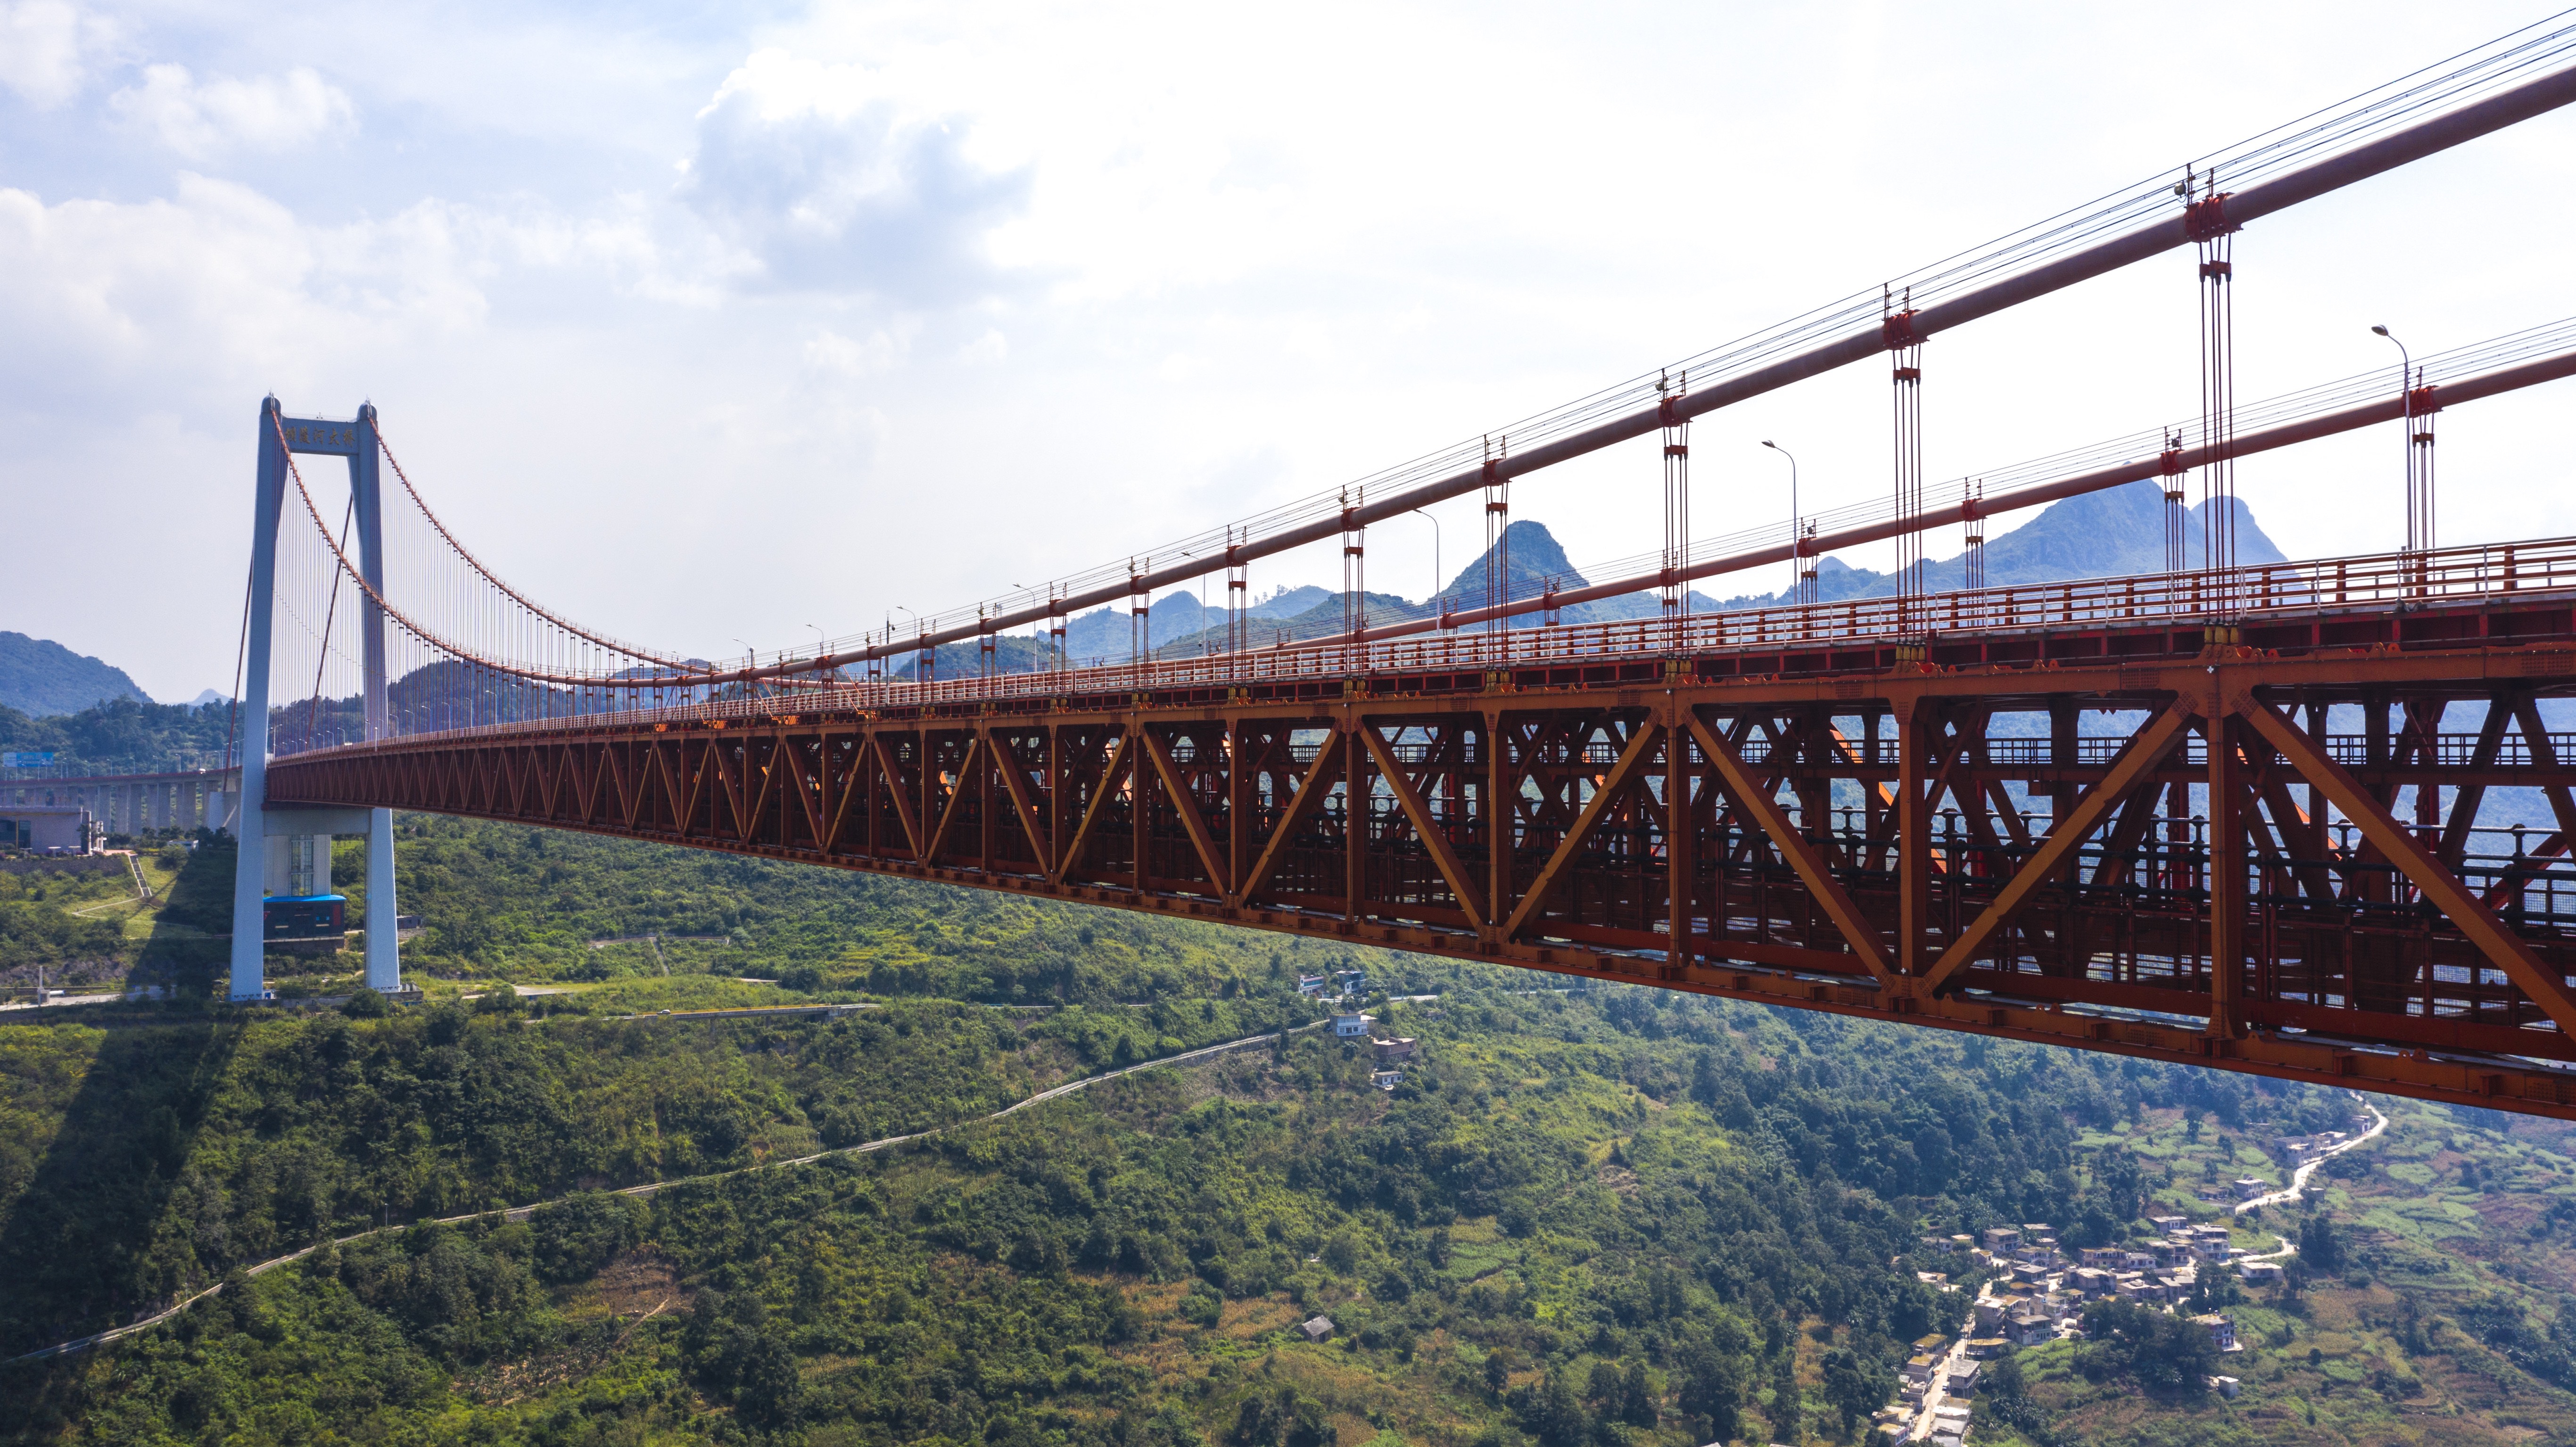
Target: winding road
(515, 1213)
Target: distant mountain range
(2098, 535)
(41, 678)
(2102, 534)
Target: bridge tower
(255, 821)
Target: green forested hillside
(130, 733)
(1610, 1217)
(40, 676)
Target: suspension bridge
(2240, 815)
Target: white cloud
(831, 183)
(880, 352)
(219, 289)
(202, 119)
(985, 350)
(44, 49)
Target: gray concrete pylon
(249, 972)
(384, 955)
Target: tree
(1709, 1392)
(1554, 1414)
(1854, 1385)
(1637, 1404)
(2319, 1244)
(1784, 1410)
(2159, 1352)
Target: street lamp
(2419, 525)
(1798, 574)
(916, 653)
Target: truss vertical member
(1498, 535)
(2205, 222)
(2420, 408)
(983, 642)
(1905, 349)
(1972, 561)
(1676, 588)
(1354, 576)
(2177, 555)
(1055, 627)
(1140, 614)
(1238, 596)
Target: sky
(703, 327)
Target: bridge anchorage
(2246, 816)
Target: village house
(2031, 1328)
(2092, 1281)
(1351, 1027)
(2222, 1331)
(2260, 1273)
(1399, 1048)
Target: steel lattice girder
(2231, 887)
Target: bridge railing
(2364, 584)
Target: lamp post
(1797, 537)
(2418, 522)
(916, 653)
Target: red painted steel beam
(2309, 429)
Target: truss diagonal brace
(1612, 784)
(1007, 760)
(902, 805)
(2494, 939)
(1443, 857)
(2136, 763)
(1813, 871)
(956, 796)
(1311, 790)
(1186, 805)
(1119, 758)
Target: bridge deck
(2079, 813)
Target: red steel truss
(2081, 814)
